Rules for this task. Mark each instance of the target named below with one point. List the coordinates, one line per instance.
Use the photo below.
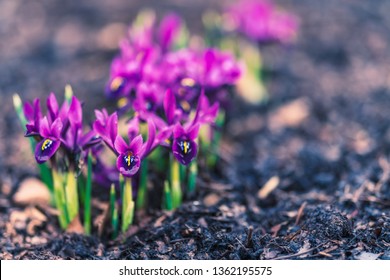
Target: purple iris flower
(106, 126)
(148, 98)
(169, 28)
(129, 155)
(54, 111)
(62, 127)
(219, 69)
(184, 146)
(51, 141)
(206, 113)
(261, 21)
(120, 80)
(33, 115)
(129, 160)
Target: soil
(306, 176)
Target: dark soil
(323, 139)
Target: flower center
(187, 82)
(129, 158)
(46, 144)
(185, 105)
(185, 147)
(116, 83)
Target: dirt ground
(322, 143)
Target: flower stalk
(143, 182)
(212, 157)
(114, 212)
(87, 197)
(192, 174)
(72, 197)
(127, 204)
(176, 191)
(167, 196)
(59, 198)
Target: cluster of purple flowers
(168, 89)
(60, 131)
(146, 68)
(167, 86)
(161, 84)
(262, 21)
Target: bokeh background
(340, 63)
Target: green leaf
(127, 205)
(143, 185)
(175, 183)
(87, 197)
(167, 196)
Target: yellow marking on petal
(122, 102)
(46, 144)
(187, 82)
(116, 83)
(185, 105)
(167, 141)
(185, 147)
(128, 158)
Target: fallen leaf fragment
(32, 192)
(268, 187)
(211, 200)
(368, 256)
(289, 115)
(75, 226)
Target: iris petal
(116, 86)
(45, 149)
(184, 150)
(128, 163)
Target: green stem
(87, 196)
(167, 196)
(183, 172)
(143, 182)
(193, 173)
(113, 212)
(215, 141)
(59, 199)
(175, 183)
(44, 171)
(115, 222)
(127, 205)
(72, 197)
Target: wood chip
(32, 225)
(304, 249)
(268, 187)
(202, 221)
(290, 115)
(29, 213)
(75, 226)
(102, 219)
(211, 200)
(368, 256)
(159, 221)
(270, 254)
(325, 254)
(300, 213)
(32, 192)
(275, 229)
